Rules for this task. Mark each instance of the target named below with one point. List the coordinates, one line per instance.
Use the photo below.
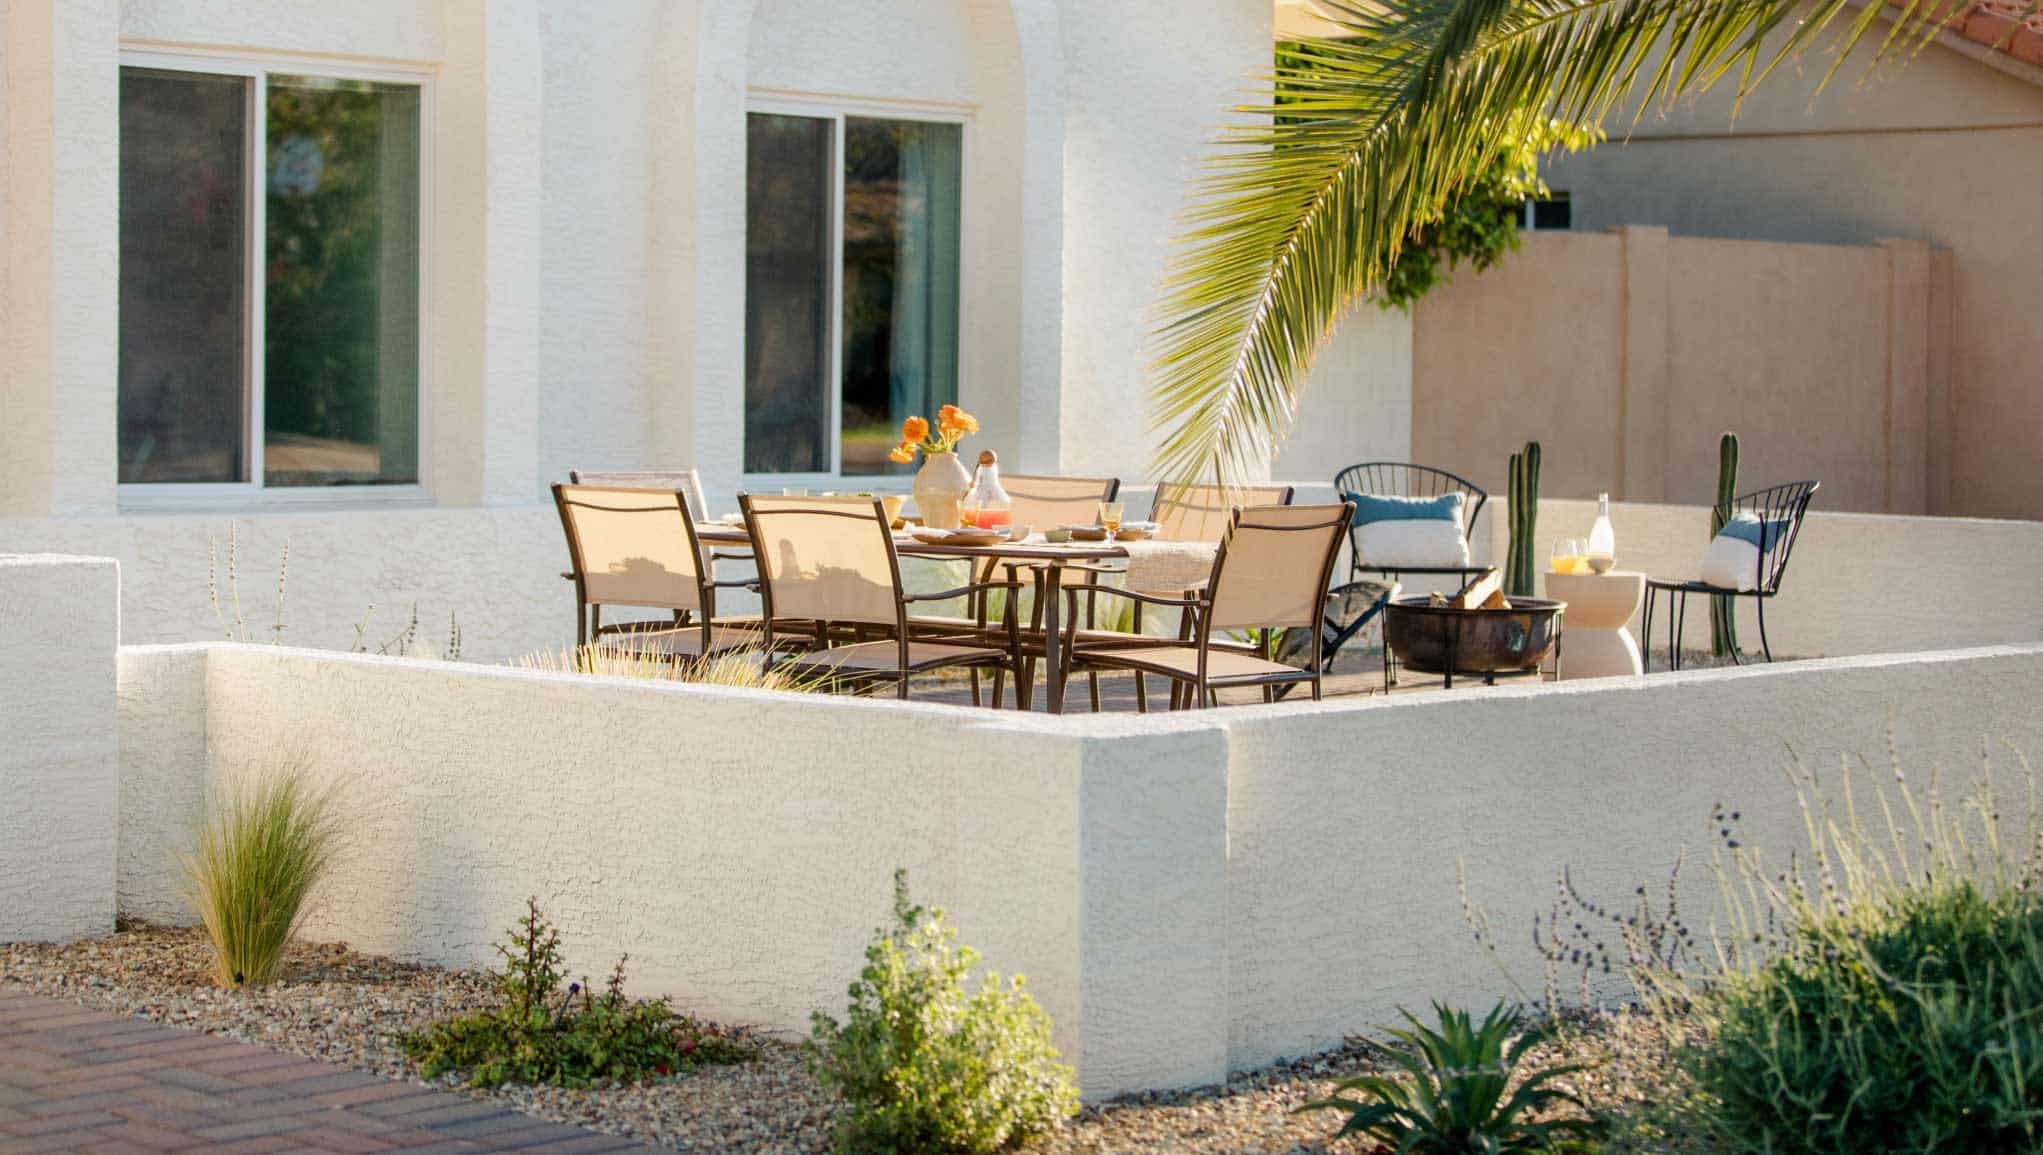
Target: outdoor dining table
(1050, 560)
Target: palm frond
(1304, 207)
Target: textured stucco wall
(1626, 354)
(1346, 825)
(496, 570)
(1856, 583)
(163, 776)
(59, 769)
(1189, 894)
(738, 845)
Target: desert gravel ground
(343, 1007)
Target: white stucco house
(368, 277)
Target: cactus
(1522, 498)
(1723, 610)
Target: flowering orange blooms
(952, 425)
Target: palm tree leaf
(1303, 209)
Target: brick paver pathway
(73, 1079)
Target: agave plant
(1459, 1097)
(1370, 136)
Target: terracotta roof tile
(2011, 26)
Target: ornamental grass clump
(925, 1066)
(550, 1030)
(261, 849)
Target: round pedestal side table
(1600, 607)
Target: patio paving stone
(79, 1080)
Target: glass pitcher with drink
(993, 508)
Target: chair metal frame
(1195, 631)
(1003, 661)
(589, 625)
(1787, 502)
(1406, 479)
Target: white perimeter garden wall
(1188, 895)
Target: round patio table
(1600, 609)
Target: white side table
(1600, 607)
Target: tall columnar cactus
(1723, 612)
(1522, 498)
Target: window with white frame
(269, 276)
(851, 285)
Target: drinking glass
(1110, 516)
(1567, 555)
(968, 514)
(794, 491)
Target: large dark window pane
(183, 393)
(341, 305)
(901, 199)
(787, 294)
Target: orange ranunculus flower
(957, 422)
(903, 453)
(914, 429)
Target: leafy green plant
(1881, 990)
(265, 841)
(549, 1030)
(1462, 1092)
(925, 1066)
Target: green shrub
(1879, 991)
(925, 1067)
(1458, 1096)
(1902, 1020)
(548, 1030)
(261, 849)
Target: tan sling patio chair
(831, 561)
(1270, 573)
(687, 481)
(637, 548)
(1203, 512)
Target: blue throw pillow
(1747, 527)
(1371, 507)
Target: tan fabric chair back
(1047, 502)
(686, 481)
(1274, 564)
(632, 547)
(825, 559)
(1203, 512)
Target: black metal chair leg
(1646, 631)
(1680, 630)
(1765, 646)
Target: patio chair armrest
(719, 555)
(975, 587)
(1189, 598)
(737, 583)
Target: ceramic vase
(939, 486)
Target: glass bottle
(1602, 539)
(996, 509)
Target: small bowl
(1057, 536)
(1090, 533)
(1018, 532)
(1132, 533)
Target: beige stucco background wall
(1627, 353)
(1946, 151)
